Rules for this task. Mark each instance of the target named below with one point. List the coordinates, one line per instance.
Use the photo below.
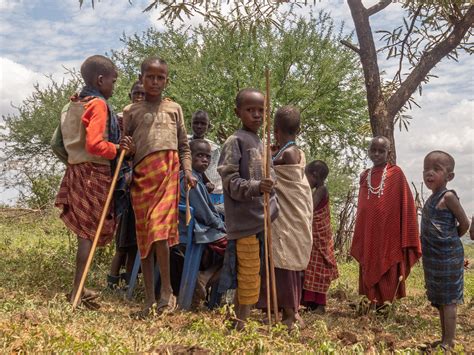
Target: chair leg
(133, 276)
(192, 260)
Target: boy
(443, 222)
(386, 241)
(157, 127)
(240, 167)
(291, 231)
(209, 228)
(90, 134)
(200, 126)
(322, 267)
(125, 238)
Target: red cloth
(386, 234)
(310, 297)
(95, 121)
(322, 267)
(82, 197)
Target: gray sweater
(240, 166)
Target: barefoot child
(240, 167)
(90, 134)
(125, 238)
(157, 127)
(291, 230)
(386, 242)
(322, 268)
(443, 222)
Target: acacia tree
(431, 31)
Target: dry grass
(37, 254)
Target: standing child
(157, 127)
(240, 167)
(443, 222)
(291, 231)
(386, 242)
(322, 268)
(125, 238)
(90, 135)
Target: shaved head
(446, 159)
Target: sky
(43, 37)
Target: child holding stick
(240, 167)
(443, 222)
(157, 127)
(90, 134)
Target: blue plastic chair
(217, 199)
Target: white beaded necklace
(379, 189)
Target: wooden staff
(266, 213)
(77, 296)
(188, 208)
(268, 221)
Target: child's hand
(210, 187)
(127, 144)
(266, 185)
(189, 179)
(466, 263)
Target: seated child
(125, 238)
(291, 230)
(240, 167)
(443, 222)
(209, 227)
(200, 125)
(322, 267)
(85, 123)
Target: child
(322, 268)
(386, 241)
(443, 222)
(240, 167)
(90, 134)
(157, 127)
(209, 228)
(200, 125)
(125, 238)
(291, 231)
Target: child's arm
(471, 230)
(95, 121)
(183, 149)
(290, 156)
(453, 204)
(320, 193)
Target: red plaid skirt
(322, 267)
(81, 198)
(155, 196)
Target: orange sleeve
(95, 121)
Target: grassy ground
(36, 266)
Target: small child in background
(240, 167)
(158, 130)
(322, 268)
(291, 230)
(90, 135)
(125, 237)
(443, 222)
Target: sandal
(167, 306)
(145, 313)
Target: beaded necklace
(379, 189)
(282, 149)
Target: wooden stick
(77, 296)
(267, 198)
(265, 226)
(188, 209)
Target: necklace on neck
(282, 149)
(379, 189)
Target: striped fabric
(155, 195)
(248, 270)
(81, 198)
(322, 267)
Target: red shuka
(386, 238)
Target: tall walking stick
(77, 296)
(268, 221)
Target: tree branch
(350, 45)
(378, 7)
(428, 60)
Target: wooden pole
(77, 296)
(266, 213)
(268, 221)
